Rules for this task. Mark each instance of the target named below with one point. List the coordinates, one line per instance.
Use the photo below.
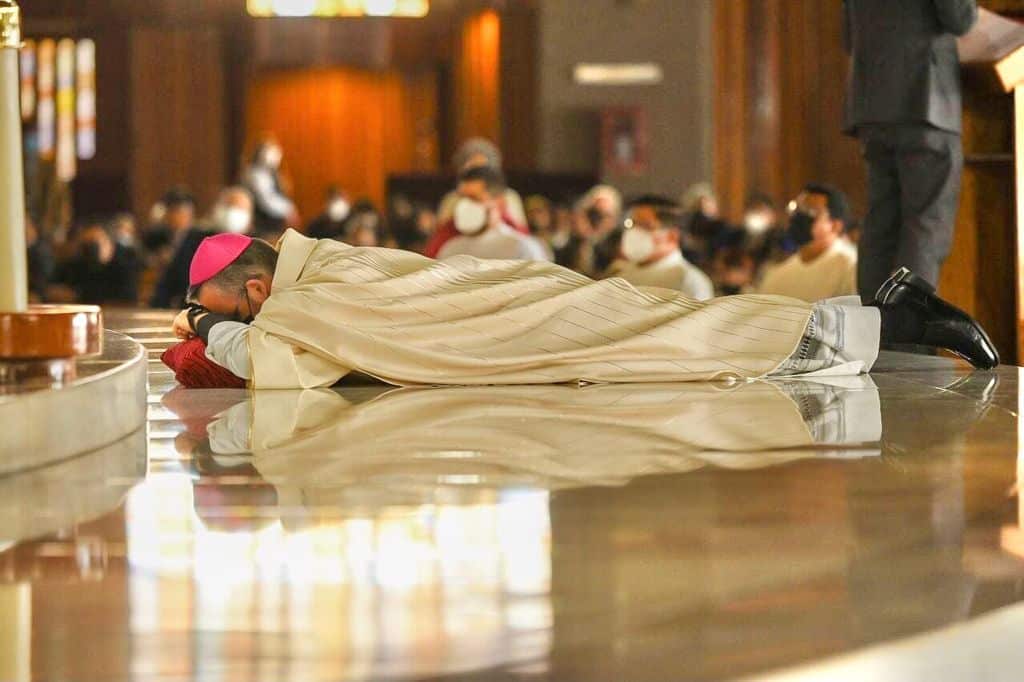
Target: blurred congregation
(649, 239)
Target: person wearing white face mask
(332, 222)
(649, 253)
(273, 209)
(233, 211)
(477, 218)
(764, 238)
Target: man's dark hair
(838, 205)
(669, 212)
(259, 258)
(493, 178)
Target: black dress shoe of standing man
(912, 313)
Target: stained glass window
(58, 99)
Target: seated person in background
(233, 212)
(273, 208)
(649, 253)
(539, 216)
(124, 230)
(330, 224)
(480, 223)
(600, 209)
(364, 219)
(733, 271)
(171, 218)
(473, 153)
(363, 230)
(180, 218)
(411, 222)
(565, 240)
(41, 264)
(101, 271)
(764, 238)
(825, 265)
(703, 228)
(593, 223)
(314, 311)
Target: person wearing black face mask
(825, 264)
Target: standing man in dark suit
(904, 104)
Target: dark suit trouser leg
(914, 177)
(931, 164)
(880, 236)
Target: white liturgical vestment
(410, 320)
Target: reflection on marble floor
(603, 533)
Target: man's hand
(182, 327)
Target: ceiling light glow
(294, 8)
(338, 8)
(381, 8)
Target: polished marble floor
(670, 532)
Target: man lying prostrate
(307, 314)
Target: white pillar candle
(13, 256)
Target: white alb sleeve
(228, 346)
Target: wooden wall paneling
(279, 43)
(518, 87)
(806, 119)
(838, 154)
(763, 124)
(796, 75)
(177, 113)
(477, 78)
(730, 104)
(420, 94)
(239, 71)
(780, 73)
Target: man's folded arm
(276, 362)
(233, 345)
(227, 343)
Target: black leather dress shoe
(913, 313)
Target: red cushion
(193, 369)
